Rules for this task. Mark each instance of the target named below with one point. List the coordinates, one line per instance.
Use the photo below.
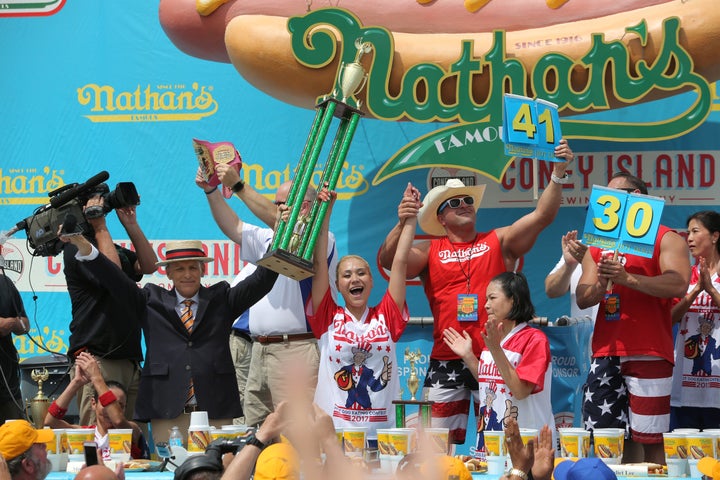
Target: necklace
(460, 263)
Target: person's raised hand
(544, 455)
(410, 203)
(227, 174)
(522, 456)
(459, 343)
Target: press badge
(612, 307)
(467, 309)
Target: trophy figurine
(39, 405)
(294, 240)
(413, 382)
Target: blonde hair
(351, 257)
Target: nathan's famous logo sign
(147, 103)
(607, 75)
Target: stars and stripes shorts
(634, 391)
(450, 385)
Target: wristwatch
(517, 473)
(252, 440)
(560, 180)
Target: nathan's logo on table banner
(20, 8)
(553, 76)
(147, 103)
(28, 185)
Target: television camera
(66, 208)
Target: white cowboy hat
(427, 216)
(182, 250)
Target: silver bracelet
(560, 180)
(517, 473)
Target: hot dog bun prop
(257, 41)
(197, 27)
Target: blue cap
(583, 469)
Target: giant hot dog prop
(254, 36)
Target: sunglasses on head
(456, 203)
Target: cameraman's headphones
(198, 462)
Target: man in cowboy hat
(455, 270)
(188, 365)
(24, 449)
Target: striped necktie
(188, 319)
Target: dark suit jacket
(173, 355)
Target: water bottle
(176, 438)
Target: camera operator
(12, 321)
(102, 323)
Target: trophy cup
(412, 382)
(38, 406)
(294, 241)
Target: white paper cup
(692, 466)
(354, 439)
(396, 441)
(437, 439)
(494, 443)
(496, 465)
(199, 419)
(198, 439)
(677, 467)
(715, 432)
(120, 443)
(675, 445)
(574, 442)
(609, 444)
(528, 434)
(389, 463)
(75, 439)
(700, 445)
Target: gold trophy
(413, 382)
(39, 405)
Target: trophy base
(285, 263)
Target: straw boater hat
(181, 250)
(427, 216)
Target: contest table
(169, 475)
(128, 475)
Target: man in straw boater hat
(455, 270)
(188, 365)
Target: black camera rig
(66, 208)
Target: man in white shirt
(277, 323)
(564, 276)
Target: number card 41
(531, 128)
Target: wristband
(107, 398)
(237, 188)
(57, 411)
(517, 473)
(560, 180)
(210, 191)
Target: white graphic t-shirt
(528, 351)
(357, 378)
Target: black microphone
(64, 197)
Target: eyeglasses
(456, 203)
